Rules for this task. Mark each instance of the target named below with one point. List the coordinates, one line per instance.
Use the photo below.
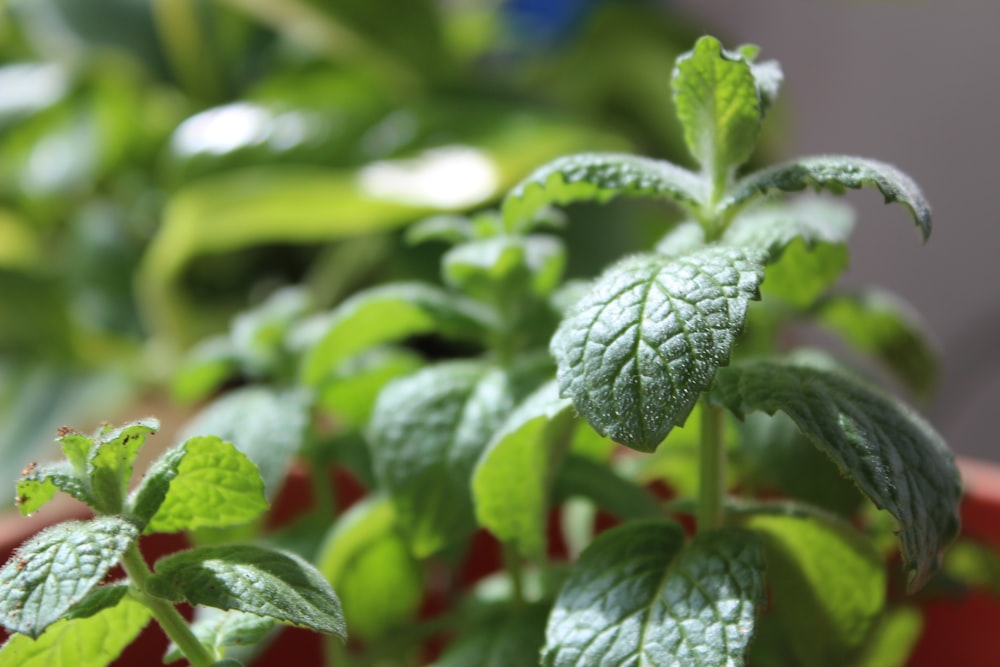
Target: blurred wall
(915, 83)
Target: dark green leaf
(893, 455)
(252, 579)
(512, 480)
(367, 561)
(268, 425)
(638, 350)
(427, 432)
(599, 177)
(881, 324)
(501, 640)
(205, 482)
(717, 102)
(387, 314)
(827, 587)
(56, 568)
(94, 641)
(40, 484)
(637, 596)
(97, 600)
(835, 173)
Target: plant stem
(512, 563)
(712, 486)
(165, 613)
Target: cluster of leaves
(203, 150)
(56, 590)
(459, 407)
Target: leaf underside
(835, 173)
(638, 598)
(599, 177)
(892, 454)
(636, 352)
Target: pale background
(914, 83)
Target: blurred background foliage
(165, 164)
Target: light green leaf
(218, 630)
(502, 639)
(253, 579)
(512, 480)
(40, 483)
(484, 267)
(638, 350)
(56, 568)
(802, 275)
(350, 394)
(717, 102)
(834, 173)
(268, 425)
(258, 334)
(581, 476)
(893, 455)
(827, 587)
(883, 325)
(894, 640)
(205, 368)
(450, 229)
(637, 596)
(109, 462)
(205, 482)
(771, 229)
(94, 641)
(387, 314)
(599, 177)
(427, 432)
(367, 561)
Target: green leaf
(386, 314)
(205, 368)
(56, 568)
(218, 630)
(97, 600)
(258, 335)
(718, 104)
(205, 482)
(350, 394)
(253, 579)
(685, 238)
(109, 463)
(636, 352)
(581, 476)
(451, 229)
(268, 425)
(881, 324)
(834, 173)
(599, 177)
(512, 480)
(896, 458)
(427, 432)
(827, 587)
(637, 596)
(367, 561)
(501, 640)
(39, 484)
(94, 641)
(894, 640)
(487, 267)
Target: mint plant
(55, 590)
(672, 352)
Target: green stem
(325, 501)
(512, 563)
(165, 613)
(712, 486)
